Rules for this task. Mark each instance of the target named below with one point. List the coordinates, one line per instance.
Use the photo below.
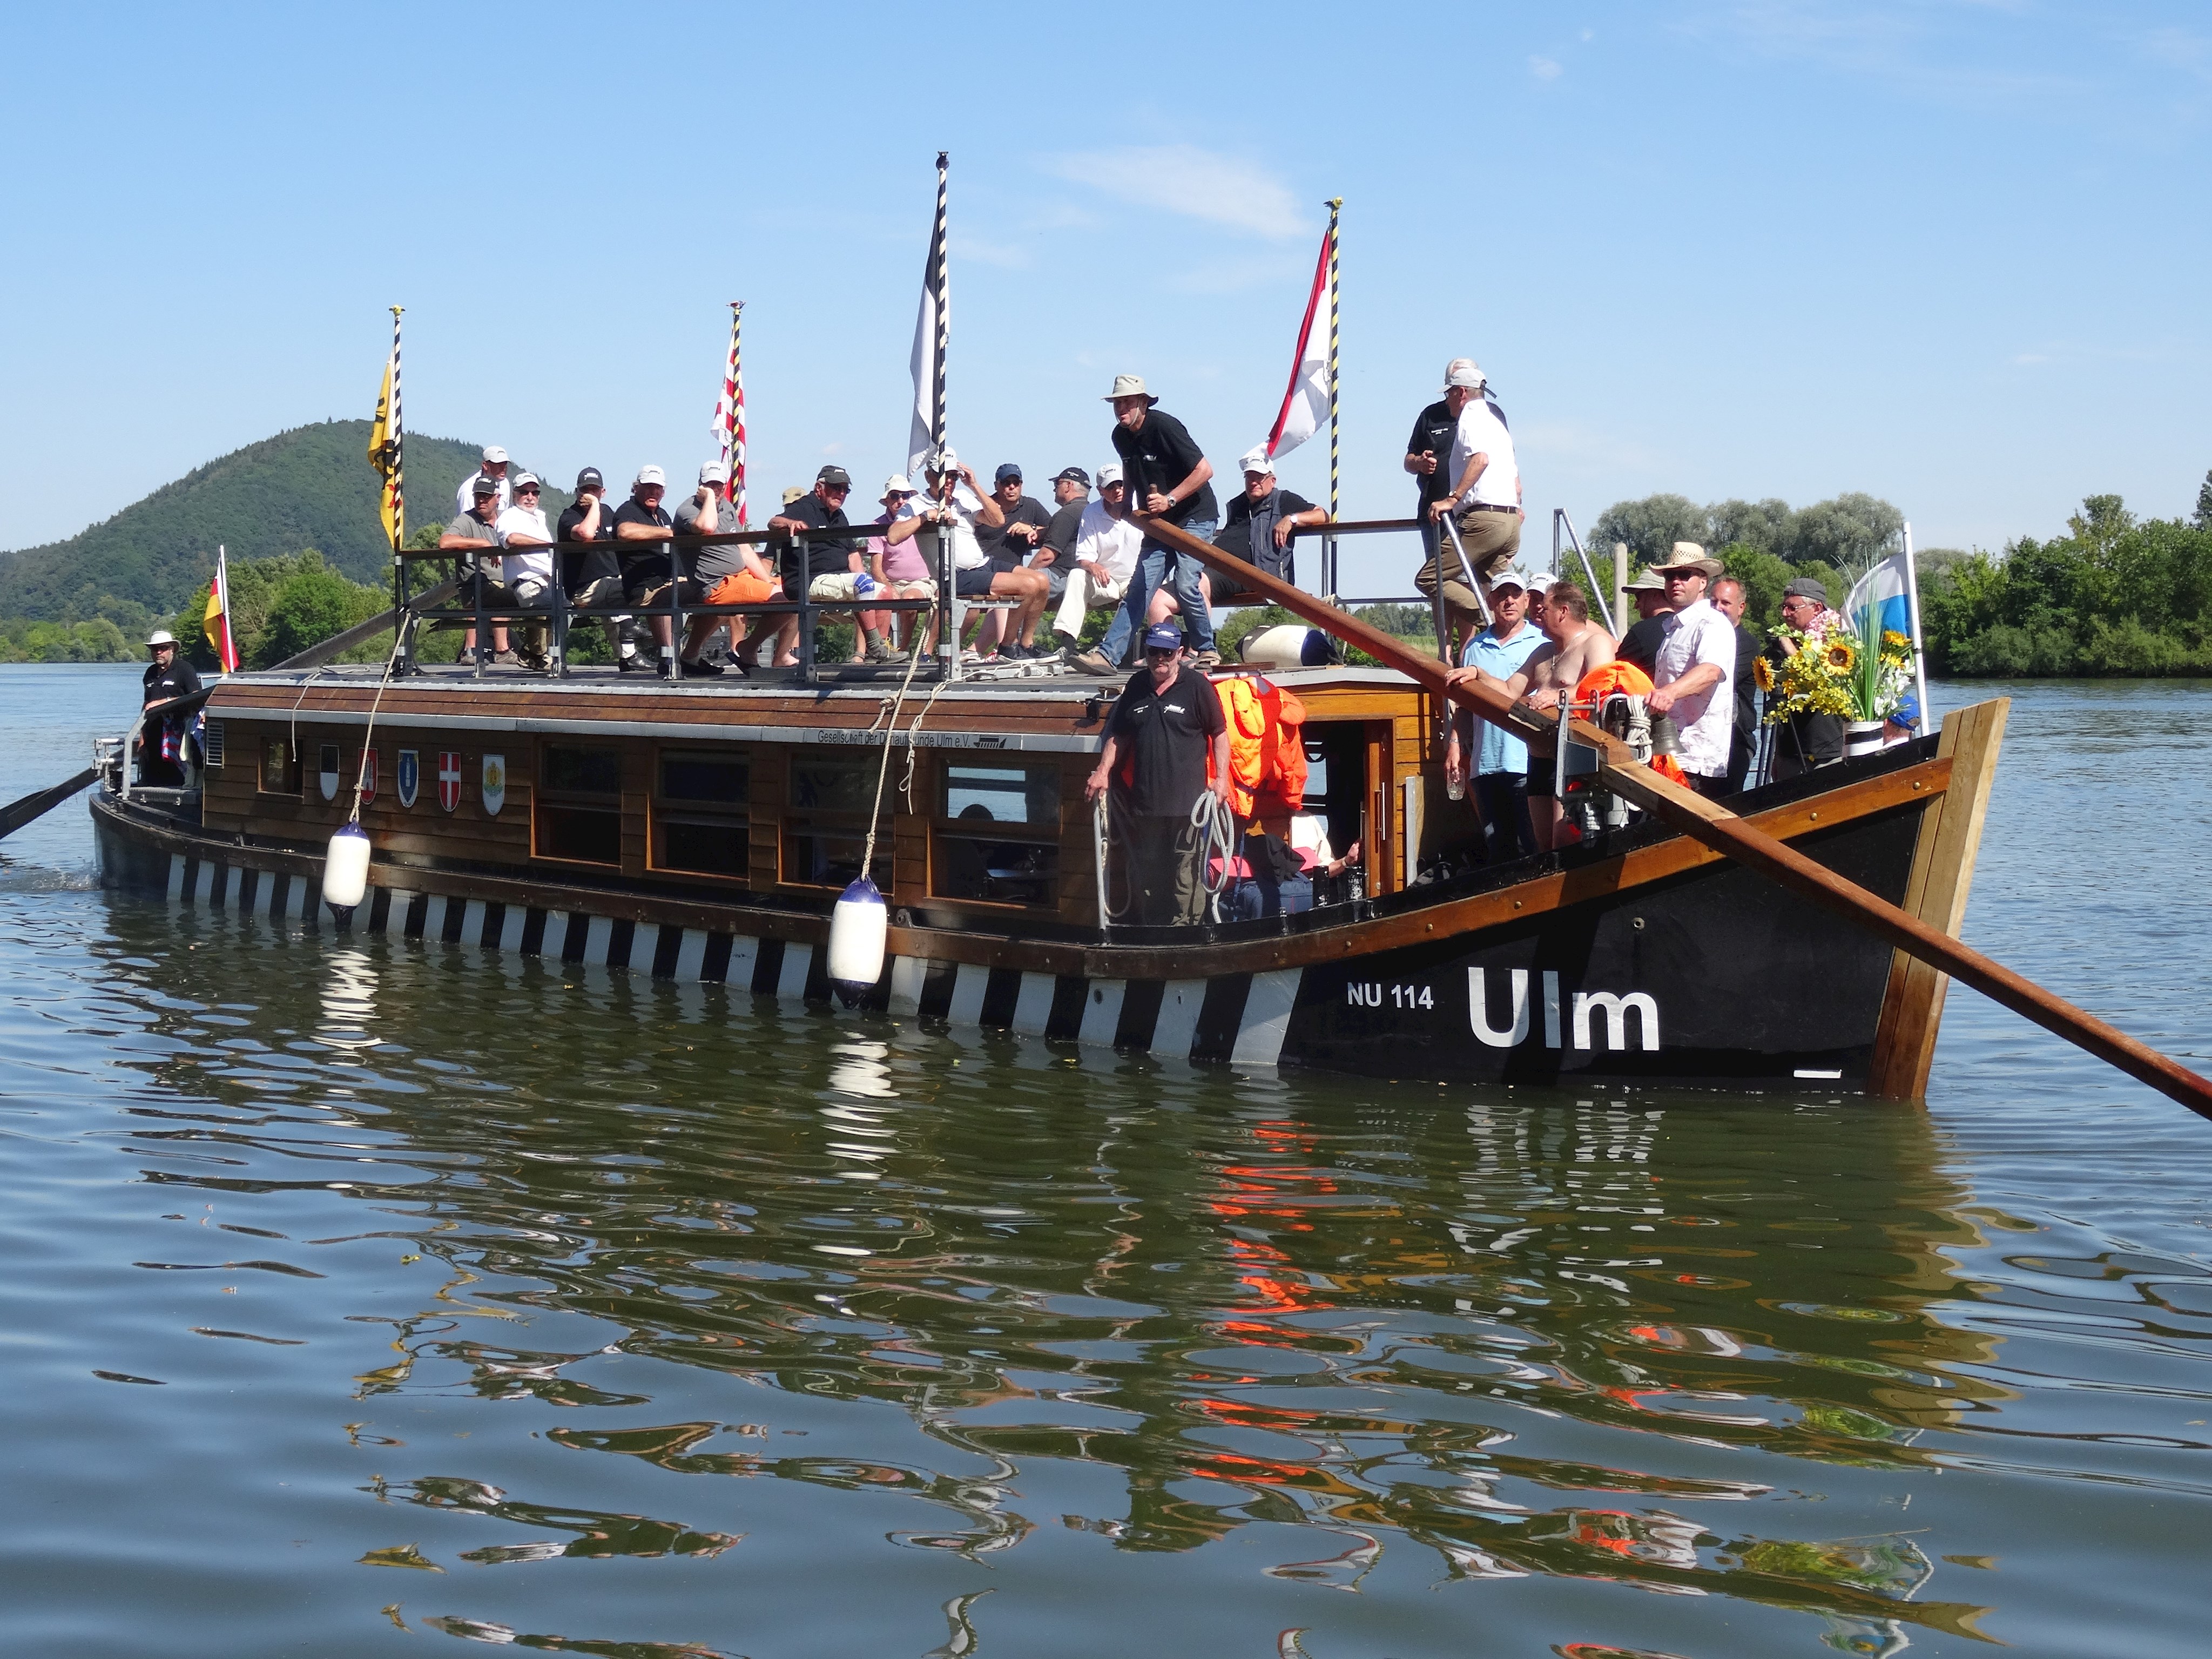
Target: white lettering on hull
(1616, 1007)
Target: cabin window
(996, 833)
(576, 813)
(700, 821)
(826, 825)
(280, 768)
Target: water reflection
(1319, 1339)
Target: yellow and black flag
(385, 446)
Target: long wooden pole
(1721, 830)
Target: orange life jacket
(1266, 746)
(1629, 681)
(1247, 716)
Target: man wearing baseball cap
(641, 525)
(1011, 544)
(493, 468)
(1071, 495)
(1262, 518)
(475, 534)
(708, 510)
(590, 573)
(1169, 477)
(1099, 567)
(1482, 498)
(1164, 722)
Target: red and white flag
(730, 418)
(1306, 404)
(216, 622)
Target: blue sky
(1951, 252)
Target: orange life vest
(1266, 746)
(1629, 681)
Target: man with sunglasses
(527, 569)
(823, 566)
(1163, 723)
(1693, 678)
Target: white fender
(857, 927)
(1286, 645)
(345, 870)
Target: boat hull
(1669, 966)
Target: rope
(883, 766)
(1217, 837)
(369, 736)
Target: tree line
(2114, 596)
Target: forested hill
(310, 487)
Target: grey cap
(1808, 587)
(1647, 582)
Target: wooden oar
(14, 817)
(1721, 830)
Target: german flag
(216, 623)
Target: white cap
(523, 479)
(1108, 474)
(943, 461)
(1256, 459)
(494, 455)
(897, 484)
(649, 475)
(714, 473)
(1463, 372)
(161, 636)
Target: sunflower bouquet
(1854, 673)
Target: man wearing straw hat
(1483, 498)
(1692, 677)
(1171, 479)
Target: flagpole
(1919, 651)
(950, 609)
(1328, 580)
(397, 484)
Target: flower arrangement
(1854, 673)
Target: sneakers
(882, 652)
(1087, 662)
(1015, 651)
(506, 660)
(1208, 660)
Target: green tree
(1849, 532)
(1651, 527)
(2204, 503)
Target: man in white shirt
(1483, 498)
(1692, 677)
(958, 506)
(526, 565)
(495, 468)
(1103, 559)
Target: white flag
(1305, 405)
(924, 435)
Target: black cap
(834, 475)
(589, 478)
(1073, 475)
(1007, 469)
(484, 486)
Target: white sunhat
(160, 636)
(897, 484)
(1129, 386)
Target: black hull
(1688, 972)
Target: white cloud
(1194, 183)
(1544, 69)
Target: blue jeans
(1151, 569)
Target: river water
(369, 1299)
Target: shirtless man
(1574, 646)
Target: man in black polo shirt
(590, 574)
(161, 746)
(642, 530)
(1165, 720)
(1009, 543)
(805, 561)
(1169, 477)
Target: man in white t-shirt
(526, 567)
(1692, 677)
(495, 468)
(1483, 498)
(958, 506)
(1103, 559)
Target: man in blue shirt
(1501, 760)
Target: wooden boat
(702, 831)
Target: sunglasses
(527, 490)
